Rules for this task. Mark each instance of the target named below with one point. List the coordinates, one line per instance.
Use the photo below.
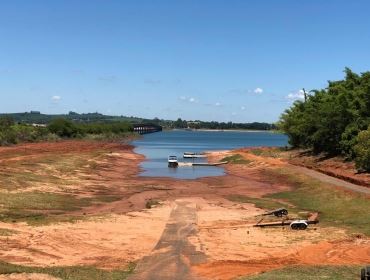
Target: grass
(236, 159)
(309, 273)
(270, 152)
(15, 179)
(71, 272)
(336, 207)
(38, 207)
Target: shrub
(64, 128)
(362, 150)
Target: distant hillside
(39, 118)
(35, 117)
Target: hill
(36, 117)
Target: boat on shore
(194, 155)
(172, 162)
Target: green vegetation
(37, 117)
(179, 123)
(336, 207)
(271, 152)
(331, 119)
(68, 129)
(362, 150)
(236, 159)
(13, 133)
(310, 273)
(70, 272)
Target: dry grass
(310, 273)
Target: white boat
(194, 155)
(172, 161)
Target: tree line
(36, 117)
(179, 123)
(13, 133)
(334, 120)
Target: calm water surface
(156, 147)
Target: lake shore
(87, 191)
(222, 130)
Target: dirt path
(173, 254)
(331, 180)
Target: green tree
(6, 122)
(362, 150)
(330, 119)
(64, 128)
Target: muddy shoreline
(118, 227)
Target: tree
(6, 122)
(362, 150)
(64, 128)
(330, 119)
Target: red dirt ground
(121, 231)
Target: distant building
(35, 112)
(38, 125)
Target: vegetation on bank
(335, 120)
(13, 133)
(39, 118)
(314, 272)
(36, 117)
(236, 159)
(336, 207)
(70, 272)
(179, 123)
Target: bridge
(144, 128)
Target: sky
(222, 60)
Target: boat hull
(173, 164)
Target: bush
(362, 150)
(11, 133)
(64, 128)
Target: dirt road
(173, 254)
(331, 180)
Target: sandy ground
(27, 276)
(89, 242)
(115, 233)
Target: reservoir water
(156, 147)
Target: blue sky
(231, 60)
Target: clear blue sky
(231, 60)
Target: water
(158, 146)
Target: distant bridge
(144, 128)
